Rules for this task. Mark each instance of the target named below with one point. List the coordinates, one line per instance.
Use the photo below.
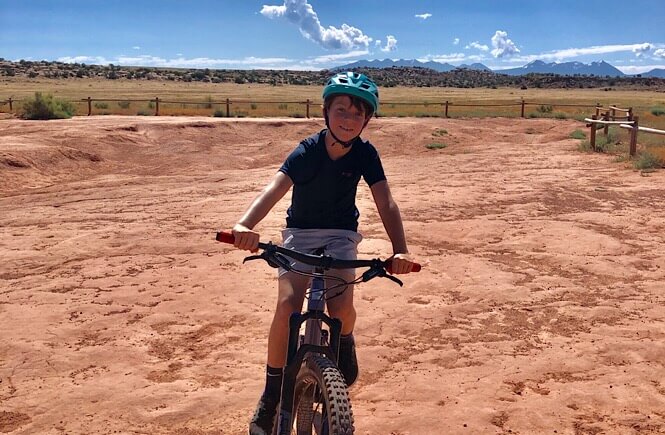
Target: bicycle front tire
(321, 400)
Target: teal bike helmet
(351, 83)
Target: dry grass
(255, 100)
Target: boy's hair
(356, 102)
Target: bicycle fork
(314, 341)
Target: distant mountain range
(600, 69)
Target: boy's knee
(344, 313)
(287, 306)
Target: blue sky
(319, 34)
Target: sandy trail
(540, 308)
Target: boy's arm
(392, 221)
(245, 237)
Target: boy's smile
(346, 121)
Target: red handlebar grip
(415, 267)
(225, 237)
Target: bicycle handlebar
(323, 261)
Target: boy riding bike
(324, 171)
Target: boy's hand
(245, 238)
(401, 263)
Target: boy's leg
(341, 307)
(340, 300)
(290, 299)
(291, 293)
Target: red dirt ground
(540, 308)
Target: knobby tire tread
(324, 373)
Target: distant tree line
(385, 77)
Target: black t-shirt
(324, 190)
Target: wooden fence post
(614, 113)
(447, 109)
(523, 107)
(89, 106)
(606, 128)
(592, 135)
(307, 113)
(10, 104)
(598, 106)
(633, 136)
(630, 113)
(228, 108)
(156, 106)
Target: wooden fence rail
(227, 103)
(633, 125)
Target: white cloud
(97, 60)
(640, 49)
(659, 53)
(423, 16)
(136, 47)
(335, 57)
(571, 53)
(456, 41)
(478, 46)
(391, 44)
(638, 69)
(452, 57)
(302, 14)
(180, 62)
(502, 45)
(377, 43)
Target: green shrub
(578, 134)
(584, 146)
(46, 107)
(124, 104)
(283, 106)
(646, 161)
(435, 146)
(560, 115)
(545, 109)
(101, 106)
(440, 132)
(219, 114)
(657, 111)
(143, 112)
(607, 144)
(253, 106)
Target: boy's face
(346, 121)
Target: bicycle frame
(317, 342)
(314, 341)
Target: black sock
(346, 340)
(273, 382)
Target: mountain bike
(314, 397)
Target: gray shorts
(342, 244)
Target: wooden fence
(227, 103)
(603, 120)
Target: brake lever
(392, 278)
(252, 257)
(380, 272)
(274, 259)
